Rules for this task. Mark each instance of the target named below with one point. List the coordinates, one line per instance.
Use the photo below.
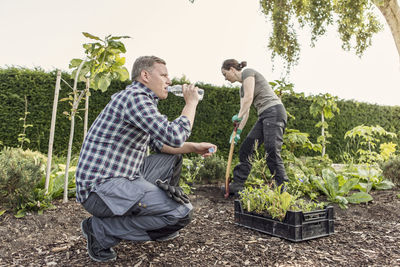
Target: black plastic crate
(296, 226)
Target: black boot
(95, 251)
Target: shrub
(20, 175)
(391, 170)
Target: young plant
(370, 178)
(22, 136)
(324, 105)
(265, 200)
(274, 202)
(259, 174)
(336, 188)
(368, 137)
(189, 173)
(102, 64)
(282, 89)
(294, 140)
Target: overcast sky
(194, 39)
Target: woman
(268, 129)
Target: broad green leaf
(361, 187)
(319, 183)
(88, 35)
(103, 83)
(123, 74)
(345, 189)
(120, 61)
(359, 197)
(21, 213)
(340, 199)
(2, 212)
(331, 181)
(118, 46)
(384, 185)
(75, 63)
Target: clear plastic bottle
(177, 90)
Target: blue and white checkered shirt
(117, 141)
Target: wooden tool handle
(228, 167)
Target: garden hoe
(228, 167)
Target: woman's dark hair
(233, 63)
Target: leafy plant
(56, 182)
(102, 64)
(212, 169)
(324, 105)
(20, 174)
(391, 169)
(188, 175)
(368, 137)
(282, 89)
(294, 139)
(259, 174)
(370, 178)
(273, 202)
(336, 188)
(22, 136)
(264, 199)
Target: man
(133, 196)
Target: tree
(355, 20)
(102, 64)
(324, 105)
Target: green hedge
(352, 114)
(212, 122)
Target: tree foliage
(103, 62)
(355, 20)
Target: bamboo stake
(85, 123)
(52, 129)
(74, 109)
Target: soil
(365, 235)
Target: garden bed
(365, 235)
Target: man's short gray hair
(144, 63)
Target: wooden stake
(52, 129)
(85, 123)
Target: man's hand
(174, 192)
(235, 138)
(204, 149)
(190, 93)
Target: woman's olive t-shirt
(264, 97)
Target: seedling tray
(296, 226)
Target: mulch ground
(365, 235)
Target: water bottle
(177, 90)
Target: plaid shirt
(117, 141)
